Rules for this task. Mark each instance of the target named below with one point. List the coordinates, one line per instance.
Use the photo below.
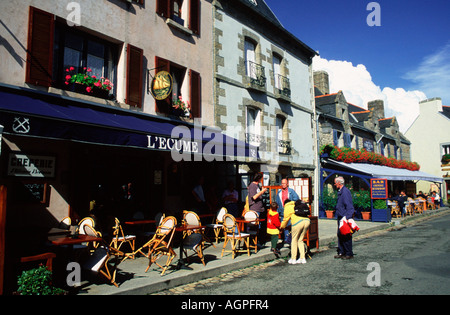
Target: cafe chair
(119, 238)
(98, 263)
(191, 218)
(252, 228)
(194, 242)
(218, 225)
(161, 244)
(418, 205)
(89, 230)
(234, 236)
(83, 222)
(395, 209)
(65, 223)
(410, 206)
(430, 204)
(99, 258)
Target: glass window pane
(96, 65)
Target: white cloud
(433, 74)
(358, 87)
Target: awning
(49, 117)
(379, 171)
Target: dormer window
(253, 2)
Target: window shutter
(134, 76)
(162, 106)
(40, 48)
(195, 92)
(194, 16)
(162, 7)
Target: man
(344, 208)
(283, 194)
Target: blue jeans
(345, 243)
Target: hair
(340, 180)
(257, 177)
(274, 205)
(286, 201)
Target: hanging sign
(161, 86)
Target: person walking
(344, 208)
(299, 226)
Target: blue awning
(35, 115)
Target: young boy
(273, 227)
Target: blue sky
(408, 54)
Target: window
(283, 145)
(186, 84)
(277, 71)
(253, 126)
(54, 47)
(184, 12)
(82, 51)
(250, 59)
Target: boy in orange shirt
(273, 227)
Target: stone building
(347, 125)
(263, 90)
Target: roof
(261, 8)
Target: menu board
(378, 188)
(302, 186)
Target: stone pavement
(133, 280)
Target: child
(273, 227)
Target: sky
(403, 60)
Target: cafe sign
(378, 188)
(161, 85)
(24, 165)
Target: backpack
(301, 210)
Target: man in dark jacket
(344, 208)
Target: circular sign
(161, 86)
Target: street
(411, 260)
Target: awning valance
(379, 171)
(58, 118)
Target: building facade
(430, 130)
(263, 91)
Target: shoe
(292, 261)
(301, 261)
(339, 256)
(347, 257)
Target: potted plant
(181, 108)
(445, 159)
(37, 281)
(361, 202)
(329, 200)
(85, 83)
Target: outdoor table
(183, 228)
(242, 221)
(140, 222)
(61, 240)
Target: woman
(299, 226)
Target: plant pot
(329, 213)
(365, 215)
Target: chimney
(431, 105)
(321, 81)
(377, 108)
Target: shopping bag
(347, 227)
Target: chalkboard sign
(30, 192)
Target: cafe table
(69, 240)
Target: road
(412, 260)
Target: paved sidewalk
(133, 280)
